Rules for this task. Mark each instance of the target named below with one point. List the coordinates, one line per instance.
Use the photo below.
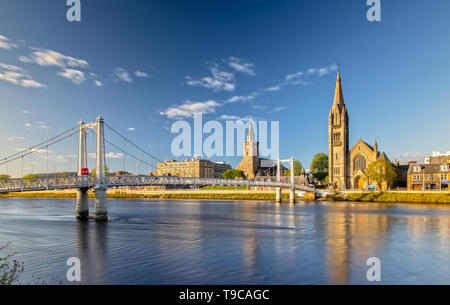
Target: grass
(224, 187)
(394, 197)
(162, 195)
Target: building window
(417, 169)
(337, 136)
(444, 168)
(359, 163)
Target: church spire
(338, 96)
(251, 134)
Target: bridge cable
(34, 149)
(125, 152)
(145, 152)
(40, 144)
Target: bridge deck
(42, 184)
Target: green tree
(106, 170)
(3, 177)
(10, 269)
(297, 169)
(319, 167)
(30, 176)
(381, 171)
(233, 174)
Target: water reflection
(190, 242)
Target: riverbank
(188, 194)
(394, 197)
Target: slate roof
(429, 169)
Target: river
(229, 242)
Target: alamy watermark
(74, 272)
(221, 141)
(374, 272)
(74, 11)
(374, 12)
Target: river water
(229, 242)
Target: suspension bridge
(101, 181)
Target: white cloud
(70, 66)
(278, 109)
(112, 155)
(39, 124)
(121, 75)
(131, 129)
(229, 117)
(259, 107)
(188, 109)
(45, 57)
(41, 151)
(141, 74)
(14, 139)
(219, 80)
(242, 98)
(302, 78)
(241, 65)
(226, 117)
(75, 76)
(18, 76)
(23, 111)
(6, 44)
(273, 88)
(98, 83)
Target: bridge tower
(292, 191)
(82, 193)
(101, 185)
(278, 196)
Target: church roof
(338, 95)
(251, 135)
(361, 141)
(267, 163)
(383, 157)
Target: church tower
(250, 162)
(338, 140)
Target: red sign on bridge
(85, 172)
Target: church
(347, 167)
(252, 165)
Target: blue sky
(142, 65)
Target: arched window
(359, 162)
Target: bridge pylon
(292, 188)
(101, 185)
(82, 193)
(278, 194)
(292, 191)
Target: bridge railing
(165, 180)
(45, 183)
(54, 183)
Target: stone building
(347, 166)
(250, 161)
(252, 165)
(432, 176)
(192, 168)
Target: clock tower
(250, 162)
